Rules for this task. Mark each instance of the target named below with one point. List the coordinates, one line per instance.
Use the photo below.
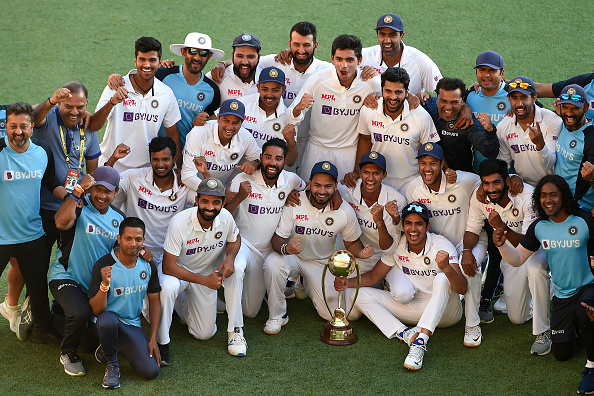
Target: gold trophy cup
(342, 263)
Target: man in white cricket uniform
(430, 262)
(448, 205)
(216, 148)
(196, 242)
(394, 130)
(257, 209)
(391, 52)
(240, 74)
(266, 115)
(529, 138)
(334, 97)
(138, 109)
(303, 242)
(525, 284)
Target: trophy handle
(356, 292)
(324, 288)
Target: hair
(133, 222)
(147, 44)
(569, 203)
(276, 142)
(491, 166)
(160, 143)
(450, 84)
(20, 108)
(346, 42)
(76, 87)
(304, 29)
(396, 74)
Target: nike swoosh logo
(476, 339)
(419, 362)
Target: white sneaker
(500, 306)
(414, 359)
(300, 291)
(472, 336)
(273, 326)
(221, 307)
(237, 345)
(12, 314)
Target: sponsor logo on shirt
(204, 249)
(514, 224)
(424, 200)
(16, 175)
(145, 191)
(378, 137)
(250, 119)
(518, 148)
(182, 104)
(313, 231)
(289, 95)
(354, 206)
(565, 153)
(221, 168)
(287, 81)
(255, 196)
(122, 291)
(192, 241)
(95, 230)
(328, 97)
(129, 102)
(263, 210)
(301, 217)
(209, 153)
(234, 92)
(130, 116)
(559, 244)
(329, 110)
(259, 135)
(405, 259)
(378, 124)
(447, 212)
(157, 208)
(512, 135)
(367, 224)
(414, 272)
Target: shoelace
(417, 351)
(112, 370)
(472, 331)
(542, 338)
(237, 338)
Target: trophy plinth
(339, 331)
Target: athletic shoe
(414, 359)
(472, 336)
(500, 306)
(111, 379)
(72, 364)
(408, 335)
(290, 289)
(300, 291)
(12, 314)
(542, 344)
(221, 307)
(237, 345)
(273, 326)
(486, 311)
(587, 384)
(25, 321)
(99, 355)
(165, 354)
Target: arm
(43, 109)
(245, 188)
(368, 279)
(66, 216)
(484, 141)
(98, 119)
(98, 302)
(385, 239)
(189, 173)
(468, 261)
(155, 320)
(513, 256)
(170, 267)
(289, 136)
(173, 133)
(358, 250)
(363, 146)
(497, 223)
(227, 267)
(452, 272)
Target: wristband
(470, 250)
(80, 190)
(50, 102)
(103, 287)
(283, 249)
(73, 197)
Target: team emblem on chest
(200, 96)
(357, 99)
(276, 127)
(404, 127)
(573, 143)
(281, 195)
(154, 103)
(329, 221)
(219, 234)
(234, 156)
(573, 230)
(515, 212)
(501, 106)
(143, 275)
(426, 260)
(450, 125)
(451, 198)
(115, 223)
(173, 197)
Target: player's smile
(551, 200)
(371, 178)
(573, 116)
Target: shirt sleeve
(364, 121)
(352, 231)
(504, 153)
(485, 142)
(549, 151)
(428, 132)
(192, 149)
(252, 151)
(308, 87)
(476, 217)
(216, 99)
(582, 186)
(285, 225)
(582, 80)
(233, 231)
(105, 97)
(153, 286)
(530, 241)
(93, 141)
(120, 198)
(174, 239)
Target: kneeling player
(431, 263)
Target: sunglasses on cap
(574, 97)
(522, 85)
(195, 51)
(414, 207)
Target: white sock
(424, 337)
(589, 364)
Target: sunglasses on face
(574, 97)
(522, 85)
(195, 51)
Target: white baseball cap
(200, 41)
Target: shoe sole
(411, 367)
(238, 355)
(110, 387)
(79, 374)
(472, 345)
(490, 321)
(274, 333)
(543, 354)
(164, 363)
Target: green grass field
(47, 43)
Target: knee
(404, 296)
(441, 283)
(107, 321)
(151, 371)
(80, 315)
(563, 350)
(515, 318)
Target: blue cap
(107, 177)
(373, 157)
(273, 74)
(247, 40)
(418, 208)
(391, 21)
(325, 167)
(491, 59)
(431, 149)
(571, 90)
(232, 107)
(530, 90)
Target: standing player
(529, 137)
(119, 283)
(430, 262)
(563, 230)
(392, 52)
(257, 208)
(217, 148)
(448, 204)
(137, 110)
(526, 286)
(394, 130)
(303, 242)
(334, 97)
(197, 240)
(87, 234)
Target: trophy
(339, 332)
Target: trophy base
(334, 335)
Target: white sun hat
(200, 41)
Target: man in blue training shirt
(563, 230)
(120, 281)
(26, 166)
